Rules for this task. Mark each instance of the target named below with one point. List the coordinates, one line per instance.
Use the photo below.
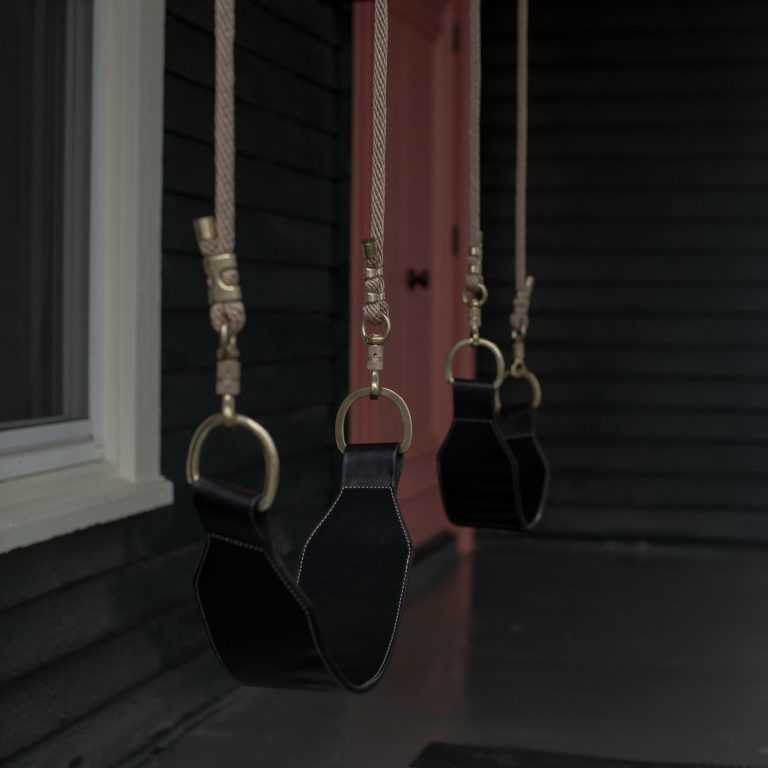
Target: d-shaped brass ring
(389, 394)
(501, 367)
(271, 457)
(523, 372)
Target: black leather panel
(517, 424)
(491, 469)
(333, 626)
(359, 597)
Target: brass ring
(389, 394)
(271, 457)
(523, 372)
(475, 302)
(377, 338)
(501, 367)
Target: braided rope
(523, 285)
(232, 312)
(474, 279)
(375, 312)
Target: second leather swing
(334, 622)
(491, 467)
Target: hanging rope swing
(333, 624)
(492, 470)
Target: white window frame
(116, 452)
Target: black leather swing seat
(492, 470)
(334, 623)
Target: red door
(425, 233)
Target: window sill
(40, 507)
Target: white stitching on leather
(405, 571)
(288, 586)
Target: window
(80, 176)
(44, 178)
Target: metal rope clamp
(223, 289)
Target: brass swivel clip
(518, 320)
(475, 298)
(228, 374)
(223, 281)
(375, 362)
(375, 341)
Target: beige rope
(474, 277)
(374, 312)
(523, 283)
(231, 312)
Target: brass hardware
(375, 361)
(501, 367)
(271, 457)
(476, 341)
(377, 338)
(475, 301)
(227, 373)
(205, 228)
(414, 278)
(218, 265)
(519, 370)
(370, 248)
(375, 357)
(375, 385)
(388, 394)
(518, 320)
(215, 268)
(227, 344)
(474, 316)
(227, 377)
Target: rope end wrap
(475, 284)
(227, 311)
(518, 320)
(375, 309)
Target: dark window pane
(44, 150)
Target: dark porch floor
(655, 653)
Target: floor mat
(441, 755)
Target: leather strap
(334, 623)
(492, 471)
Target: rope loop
(375, 308)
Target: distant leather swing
(333, 623)
(492, 470)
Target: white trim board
(125, 311)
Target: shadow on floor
(629, 652)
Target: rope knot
(522, 304)
(474, 277)
(375, 309)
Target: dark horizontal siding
(103, 648)
(648, 226)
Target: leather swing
(492, 470)
(332, 623)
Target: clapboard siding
(647, 230)
(73, 610)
